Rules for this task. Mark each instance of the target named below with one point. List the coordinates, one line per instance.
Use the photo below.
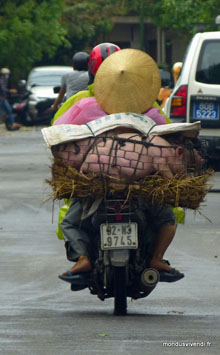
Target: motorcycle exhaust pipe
(149, 279)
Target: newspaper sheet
(68, 132)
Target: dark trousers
(4, 104)
(76, 233)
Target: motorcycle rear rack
(122, 204)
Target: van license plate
(205, 110)
(119, 236)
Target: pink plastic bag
(87, 110)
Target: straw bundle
(180, 191)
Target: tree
(143, 9)
(28, 30)
(86, 20)
(48, 31)
(184, 16)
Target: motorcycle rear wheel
(120, 291)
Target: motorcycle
(122, 249)
(23, 115)
(20, 110)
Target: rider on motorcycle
(77, 239)
(10, 123)
(71, 83)
(98, 54)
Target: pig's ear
(179, 151)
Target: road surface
(39, 315)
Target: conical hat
(127, 81)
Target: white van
(196, 95)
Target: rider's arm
(58, 99)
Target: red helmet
(99, 53)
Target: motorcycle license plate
(206, 110)
(119, 236)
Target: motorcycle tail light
(178, 104)
(118, 218)
(22, 104)
(48, 110)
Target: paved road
(38, 313)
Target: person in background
(176, 71)
(11, 125)
(165, 92)
(73, 82)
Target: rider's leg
(77, 239)
(8, 109)
(1, 103)
(164, 238)
(164, 221)
(10, 123)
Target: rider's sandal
(170, 276)
(80, 279)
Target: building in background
(166, 47)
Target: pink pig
(131, 160)
(125, 155)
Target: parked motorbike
(20, 110)
(122, 249)
(23, 115)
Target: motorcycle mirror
(166, 78)
(22, 83)
(56, 89)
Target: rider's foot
(162, 265)
(15, 124)
(83, 264)
(167, 273)
(13, 127)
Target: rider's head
(97, 55)
(176, 70)
(80, 61)
(5, 71)
(127, 81)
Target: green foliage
(184, 16)
(139, 6)
(86, 20)
(89, 20)
(180, 16)
(48, 31)
(28, 30)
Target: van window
(208, 69)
